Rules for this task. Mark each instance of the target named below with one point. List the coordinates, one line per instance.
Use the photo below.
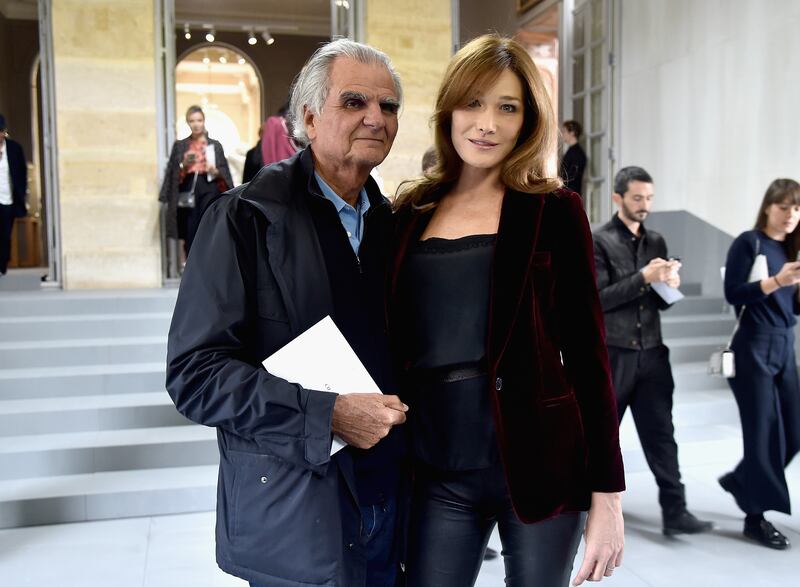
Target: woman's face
(782, 218)
(196, 122)
(485, 130)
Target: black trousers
(453, 515)
(189, 218)
(767, 391)
(643, 381)
(6, 224)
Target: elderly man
(308, 237)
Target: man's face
(635, 204)
(358, 122)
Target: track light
(251, 39)
(187, 33)
(223, 60)
(268, 39)
(242, 61)
(211, 35)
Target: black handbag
(187, 199)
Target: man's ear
(309, 120)
(617, 198)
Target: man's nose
(373, 116)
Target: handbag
(722, 363)
(187, 199)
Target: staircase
(87, 430)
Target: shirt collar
(617, 221)
(363, 200)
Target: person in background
(498, 332)
(276, 138)
(629, 259)
(13, 189)
(188, 168)
(573, 163)
(766, 385)
(252, 161)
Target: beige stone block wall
(105, 110)
(417, 35)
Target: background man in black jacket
(13, 189)
(307, 237)
(573, 163)
(629, 259)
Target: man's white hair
(311, 87)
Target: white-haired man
(306, 238)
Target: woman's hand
(605, 538)
(211, 170)
(789, 274)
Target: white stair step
(99, 496)
(73, 453)
(81, 380)
(68, 326)
(76, 351)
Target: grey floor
(178, 550)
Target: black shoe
(765, 534)
(684, 522)
(490, 554)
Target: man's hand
(661, 271)
(363, 419)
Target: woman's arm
(605, 538)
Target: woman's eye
(508, 108)
(474, 104)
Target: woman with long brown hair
(499, 331)
(766, 384)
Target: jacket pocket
(285, 519)
(270, 304)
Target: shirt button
(641, 289)
(638, 325)
(641, 307)
(349, 234)
(498, 384)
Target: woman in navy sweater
(766, 385)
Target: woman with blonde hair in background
(498, 330)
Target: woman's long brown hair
(781, 191)
(476, 67)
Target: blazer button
(498, 384)
(264, 479)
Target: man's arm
(613, 295)
(211, 374)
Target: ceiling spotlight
(187, 33)
(211, 35)
(222, 59)
(268, 39)
(251, 39)
(242, 61)
(206, 60)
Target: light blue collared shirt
(352, 218)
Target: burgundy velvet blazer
(554, 405)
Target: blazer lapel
(517, 234)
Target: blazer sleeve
(741, 255)
(582, 331)
(618, 293)
(223, 167)
(212, 377)
(172, 164)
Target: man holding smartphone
(629, 259)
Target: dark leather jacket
(630, 306)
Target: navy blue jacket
(18, 169)
(287, 513)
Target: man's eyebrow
(352, 95)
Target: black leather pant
(453, 515)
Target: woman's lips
(481, 144)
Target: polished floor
(173, 551)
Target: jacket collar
(520, 218)
(620, 225)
